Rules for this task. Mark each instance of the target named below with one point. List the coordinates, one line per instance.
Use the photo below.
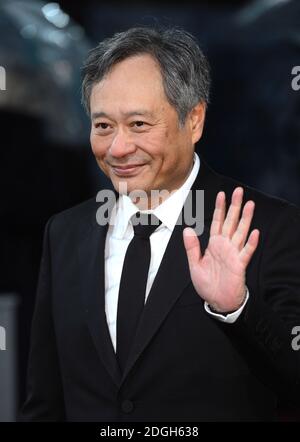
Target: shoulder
(269, 209)
(267, 205)
(74, 220)
(277, 220)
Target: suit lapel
(92, 268)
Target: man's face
(135, 133)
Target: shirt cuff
(230, 318)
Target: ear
(196, 119)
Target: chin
(126, 185)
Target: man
(175, 324)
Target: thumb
(192, 246)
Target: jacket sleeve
(44, 401)
(266, 327)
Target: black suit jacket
(184, 364)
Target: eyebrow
(141, 112)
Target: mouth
(128, 170)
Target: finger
(232, 218)
(250, 247)
(219, 214)
(240, 235)
(192, 246)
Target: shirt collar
(168, 211)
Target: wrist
(227, 311)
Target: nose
(121, 145)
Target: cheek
(99, 145)
(164, 151)
(154, 143)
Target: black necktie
(133, 283)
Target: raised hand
(219, 276)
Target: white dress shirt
(120, 233)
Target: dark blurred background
(252, 130)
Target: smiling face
(135, 133)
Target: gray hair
(184, 67)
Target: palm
(219, 275)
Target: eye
(139, 123)
(101, 125)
